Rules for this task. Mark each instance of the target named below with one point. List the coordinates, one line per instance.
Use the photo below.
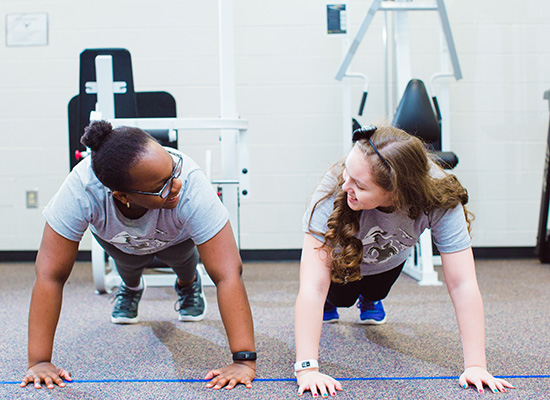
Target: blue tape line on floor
(374, 378)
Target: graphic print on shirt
(381, 246)
(136, 243)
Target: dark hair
(115, 152)
(406, 175)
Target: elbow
(466, 291)
(229, 273)
(53, 276)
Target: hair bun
(95, 134)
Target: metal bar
(449, 37)
(398, 6)
(395, 6)
(225, 181)
(119, 87)
(357, 40)
(243, 166)
(182, 123)
(402, 51)
(104, 77)
(238, 145)
(385, 30)
(228, 109)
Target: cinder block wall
(285, 66)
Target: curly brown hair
(406, 175)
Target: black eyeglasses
(165, 190)
(366, 132)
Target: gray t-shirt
(84, 201)
(389, 237)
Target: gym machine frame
(233, 137)
(542, 248)
(420, 264)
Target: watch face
(306, 364)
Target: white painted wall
(285, 67)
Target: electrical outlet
(32, 198)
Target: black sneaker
(191, 303)
(126, 306)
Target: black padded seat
(130, 104)
(416, 116)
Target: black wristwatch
(244, 356)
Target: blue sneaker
(330, 314)
(372, 312)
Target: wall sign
(336, 18)
(27, 29)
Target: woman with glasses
(140, 201)
(364, 218)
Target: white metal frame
(233, 187)
(420, 265)
(235, 181)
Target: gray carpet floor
(415, 355)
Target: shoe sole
(372, 321)
(330, 321)
(194, 318)
(124, 320)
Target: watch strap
(244, 356)
(305, 364)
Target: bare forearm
(471, 324)
(308, 317)
(54, 263)
(460, 277)
(43, 317)
(314, 285)
(236, 315)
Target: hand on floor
(314, 381)
(233, 374)
(48, 373)
(478, 376)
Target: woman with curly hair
(365, 216)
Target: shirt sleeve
(316, 223)
(200, 209)
(69, 211)
(450, 231)
(319, 211)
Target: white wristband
(305, 364)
